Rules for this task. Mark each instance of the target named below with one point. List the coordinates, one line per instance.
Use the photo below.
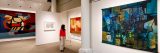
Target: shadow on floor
(28, 46)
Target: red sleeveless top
(62, 33)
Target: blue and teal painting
(15, 24)
(132, 26)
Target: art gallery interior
(91, 26)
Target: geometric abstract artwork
(16, 24)
(75, 25)
(132, 26)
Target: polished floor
(28, 46)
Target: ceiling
(63, 5)
(40, 5)
(35, 5)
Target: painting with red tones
(75, 25)
(16, 24)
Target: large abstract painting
(75, 25)
(16, 24)
(132, 25)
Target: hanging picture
(132, 25)
(49, 26)
(16, 24)
(75, 25)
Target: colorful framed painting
(132, 25)
(75, 25)
(16, 24)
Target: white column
(86, 46)
(53, 6)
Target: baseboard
(85, 50)
(38, 43)
(15, 39)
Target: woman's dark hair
(63, 27)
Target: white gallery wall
(72, 13)
(23, 6)
(158, 18)
(96, 27)
(63, 17)
(45, 37)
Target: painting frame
(132, 25)
(75, 25)
(15, 24)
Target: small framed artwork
(49, 26)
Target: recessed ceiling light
(8, 4)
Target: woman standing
(62, 37)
